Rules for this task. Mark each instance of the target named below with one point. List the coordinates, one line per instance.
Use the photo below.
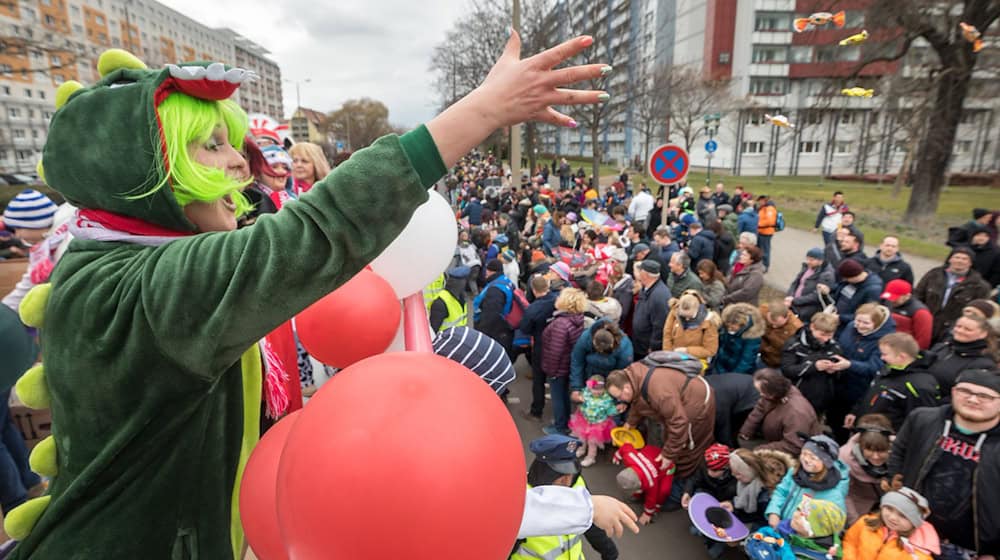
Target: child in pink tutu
(592, 422)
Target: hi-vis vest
(432, 291)
(563, 547)
(458, 315)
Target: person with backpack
(767, 226)
(666, 388)
(492, 306)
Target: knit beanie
(740, 467)
(561, 270)
(824, 448)
(979, 213)
(276, 155)
(30, 209)
(983, 306)
(717, 456)
(909, 503)
(850, 268)
(540, 210)
(494, 266)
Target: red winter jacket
(558, 340)
(655, 483)
(914, 318)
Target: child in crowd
(897, 531)
(593, 421)
(713, 477)
(866, 455)
(643, 478)
(757, 474)
(468, 255)
(803, 496)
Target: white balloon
(422, 251)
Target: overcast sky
(374, 48)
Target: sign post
(669, 164)
(711, 126)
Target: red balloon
(258, 510)
(357, 320)
(403, 455)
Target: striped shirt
(478, 352)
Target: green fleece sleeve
(208, 297)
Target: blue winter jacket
(788, 495)
(702, 247)
(551, 238)
(849, 297)
(866, 360)
(474, 211)
(747, 221)
(586, 361)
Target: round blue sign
(711, 146)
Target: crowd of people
(864, 401)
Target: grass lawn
(878, 214)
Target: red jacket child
(644, 477)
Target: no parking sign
(669, 163)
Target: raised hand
(516, 90)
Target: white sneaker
(588, 462)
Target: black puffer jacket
(931, 288)
(798, 363)
(808, 304)
(950, 358)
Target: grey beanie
(909, 503)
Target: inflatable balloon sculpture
(400, 455)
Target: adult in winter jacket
(902, 385)
(735, 397)
(860, 362)
(813, 343)
(650, 309)
(714, 282)
(551, 237)
(828, 218)
(533, 324)
(802, 295)
(678, 399)
(866, 455)
(782, 325)
(857, 287)
(987, 259)
(723, 249)
(558, 340)
(492, 305)
(747, 222)
(739, 339)
(911, 316)
(601, 349)
(730, 221)
(945, 290)
(474, 212)
(681, 278)
(600, 306)
(705, 208)
(448, 309)
(691, 328)
(745, 285)
(620, 287)
(702, 243)
(849, 248)
(951, 455)
(781, 414)
(888, 263)
(767, 225)
(971, 345)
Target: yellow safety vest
(563, 547)
(432, 290)
(458, 315)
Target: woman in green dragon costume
(147, 319)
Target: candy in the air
(779, 120)
(855, 39)
(857, 92)
(819, 19)
(972, 35)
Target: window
(813, 117)
(770, 54)
(50, 21)
(77, 28)
(13, 112)
(849, 117)
(34, 133)
(6, 70)
(845, 148)
(970, 117)
(19, 133)
(808, 147)
(724, 58)
(46, 2)
(55, 61)
(31, 113)
(753, 147)
(58, 79)
(801, 54)
(76, 10)
(854, 19)
(768, 86)
(27, 93)
(36, 55)
(873, 120)
(6, 90)
(849, 54)
(3, 154)
(827, 53)
(773, 21)
(963, 146)
(23, 155)
(99, 19)
(29, 13)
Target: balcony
(772, 37)
(774, 5)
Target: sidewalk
(788, 252)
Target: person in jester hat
(147, 318)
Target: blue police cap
(557, 451)
(501, 239)
(459, 272)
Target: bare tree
(652, 104)
(691, 98)
(937, 23)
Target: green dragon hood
(105, 148)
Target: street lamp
(298, 95)
(712, 121)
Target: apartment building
(47, 42)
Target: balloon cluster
(361, 471)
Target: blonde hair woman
(691, 327)
(558, 340)
(308, 165)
